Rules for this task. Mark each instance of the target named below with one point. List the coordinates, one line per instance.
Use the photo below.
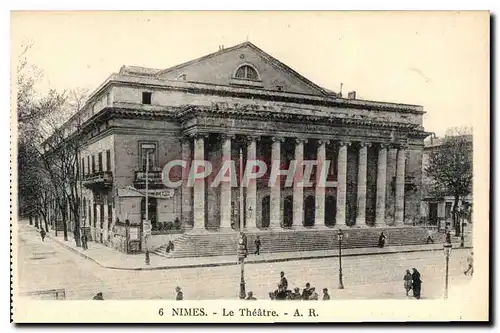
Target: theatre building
(240, 102)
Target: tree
(450, 168)
(48, 154)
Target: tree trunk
(456, 222)
(76, 231)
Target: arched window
(246, 72)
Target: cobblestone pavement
(48, 265)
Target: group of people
(308, 293)
(244, 241)
(413, 281)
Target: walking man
(283, 281)
(257, 246)
(470, 262)
(180, 295)
(42, 234)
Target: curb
(260, 261)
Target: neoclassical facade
(240, 103)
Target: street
(47, 265)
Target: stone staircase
(212, 243)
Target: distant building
(435, 208)
(243, 98)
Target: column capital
(396, 145)
(363, 144)
(250, 138)
(278, 138)
(323, 141)
(225, 136)
(301, 140)
(185, 139)
(199, 135)
(384, 145)
(344, 143)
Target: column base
(227, 230)
(197, 230)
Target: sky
(439, 60)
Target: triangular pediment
(243, 65)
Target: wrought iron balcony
(98, 180)
(153, 176)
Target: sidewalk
(110, 258)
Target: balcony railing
(102, 179)
(153, 176)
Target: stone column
(251, 197)
(186, 191)
(400, 187)
(199, 186)
(362, 167)
(275, 202)
(342, 184)
(321, 175)
(298, 190)
(381, 185)
(225, 186)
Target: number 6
(160, 312)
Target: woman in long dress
(408, 281)
(416, 283)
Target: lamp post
(242, 253)
(447, 251)
(146, 228)
(340, 236)
(462, 241)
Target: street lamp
(340, 236)
(146, 225)
(242, 253)
(447, 251)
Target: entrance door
(309, 211)
(330, 210)
(266, 218)
(288, 211)
(433, 212)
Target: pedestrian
(84, 241)
(170, 247)
(283, 281)
(244, 239)
(306, 292)
(429, 237)
(326, 295)
(470, 264)
(250, 297)
(257, 245)
(98, 297)
(416, 283)
(281, 293)
(314, 295)
(179, 296)
(42, 234)
(448, 236)
(381, 240)
(408, 281)
(296, 294)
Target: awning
(132, 192)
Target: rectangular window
(110, 216)
(95, 215)
(146, 97)
(99, 162)
(447, 210)
(148, 155)
(88, 165)
(93, 164)
(82, 170)
(108, 160)
(101, 213)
